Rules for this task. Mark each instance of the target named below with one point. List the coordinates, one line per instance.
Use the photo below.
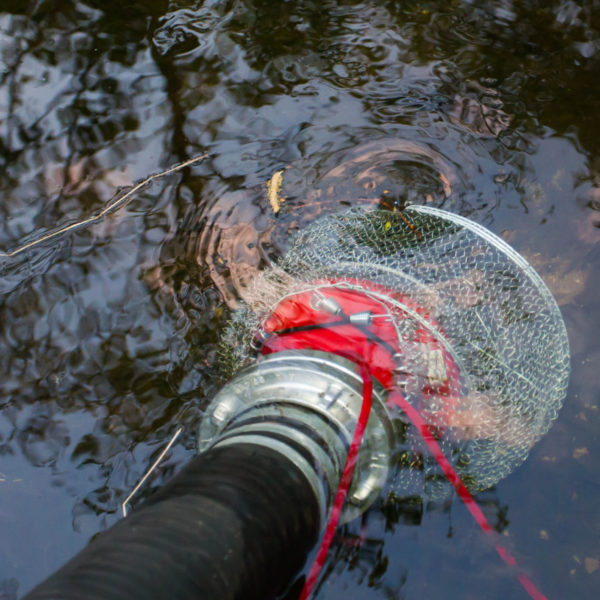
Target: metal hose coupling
(305, 404)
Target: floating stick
(114, 204)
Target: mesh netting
(493, 379)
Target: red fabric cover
(296, 311)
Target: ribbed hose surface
(237, 522)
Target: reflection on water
(108, 337)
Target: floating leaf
(273, 191)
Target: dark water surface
(108, 335)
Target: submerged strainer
(451, 317)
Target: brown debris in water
(274, 190)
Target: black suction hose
(236, 523)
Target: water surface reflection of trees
(96, 363)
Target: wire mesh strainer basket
(480, 347)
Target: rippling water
(108, 335)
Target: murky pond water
(108, 335)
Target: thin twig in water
(115, 203)
(149, 471)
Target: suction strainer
(465, 330)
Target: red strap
(345, 482)
(298, 341)
(464, 494)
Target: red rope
(344, 485)
(289, 315)
(464, 494)
(462, 491)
